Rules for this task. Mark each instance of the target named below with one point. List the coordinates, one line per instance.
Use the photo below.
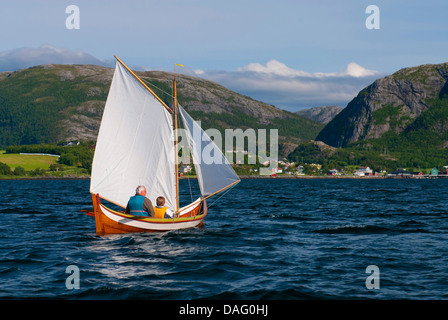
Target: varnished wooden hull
(108, 221)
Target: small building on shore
(434, 172)
(363, 171)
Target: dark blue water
(266, 239)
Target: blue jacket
(135, 205)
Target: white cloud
(276, 83)
(355, 70)
(274, 67)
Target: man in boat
(162, 211)
(139, 205)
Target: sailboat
(137, 144)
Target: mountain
(320, 114)
(53, 103)
(405, 102)
(399, 121)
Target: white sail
(135, 144)
(212, 168)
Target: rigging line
(214, 193)
(189, 185)
(223, 194)
(188, 175)
(179, 122)
(158, 88)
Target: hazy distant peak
(25, 57)
(320, 114)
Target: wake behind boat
(137, 145)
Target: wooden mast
(176, 168)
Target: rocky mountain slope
(320, 114)
(404, 102)
(52, 103)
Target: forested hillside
(53, 103)
(398, 121)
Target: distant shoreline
(415, 177)
(68, 177)
(309, 177)
(243, 177)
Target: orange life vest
(160, 212)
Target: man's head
(160, 201)
(141, 190)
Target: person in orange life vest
(162, 211)
(139, 205)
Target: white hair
(139, 189)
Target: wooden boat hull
(109, 221)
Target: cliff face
(392, 103)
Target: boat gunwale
(155, 220)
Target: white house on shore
(363, 171)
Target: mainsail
(134, 145)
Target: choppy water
(266, 239)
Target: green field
(27, 162)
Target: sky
(291, 54)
